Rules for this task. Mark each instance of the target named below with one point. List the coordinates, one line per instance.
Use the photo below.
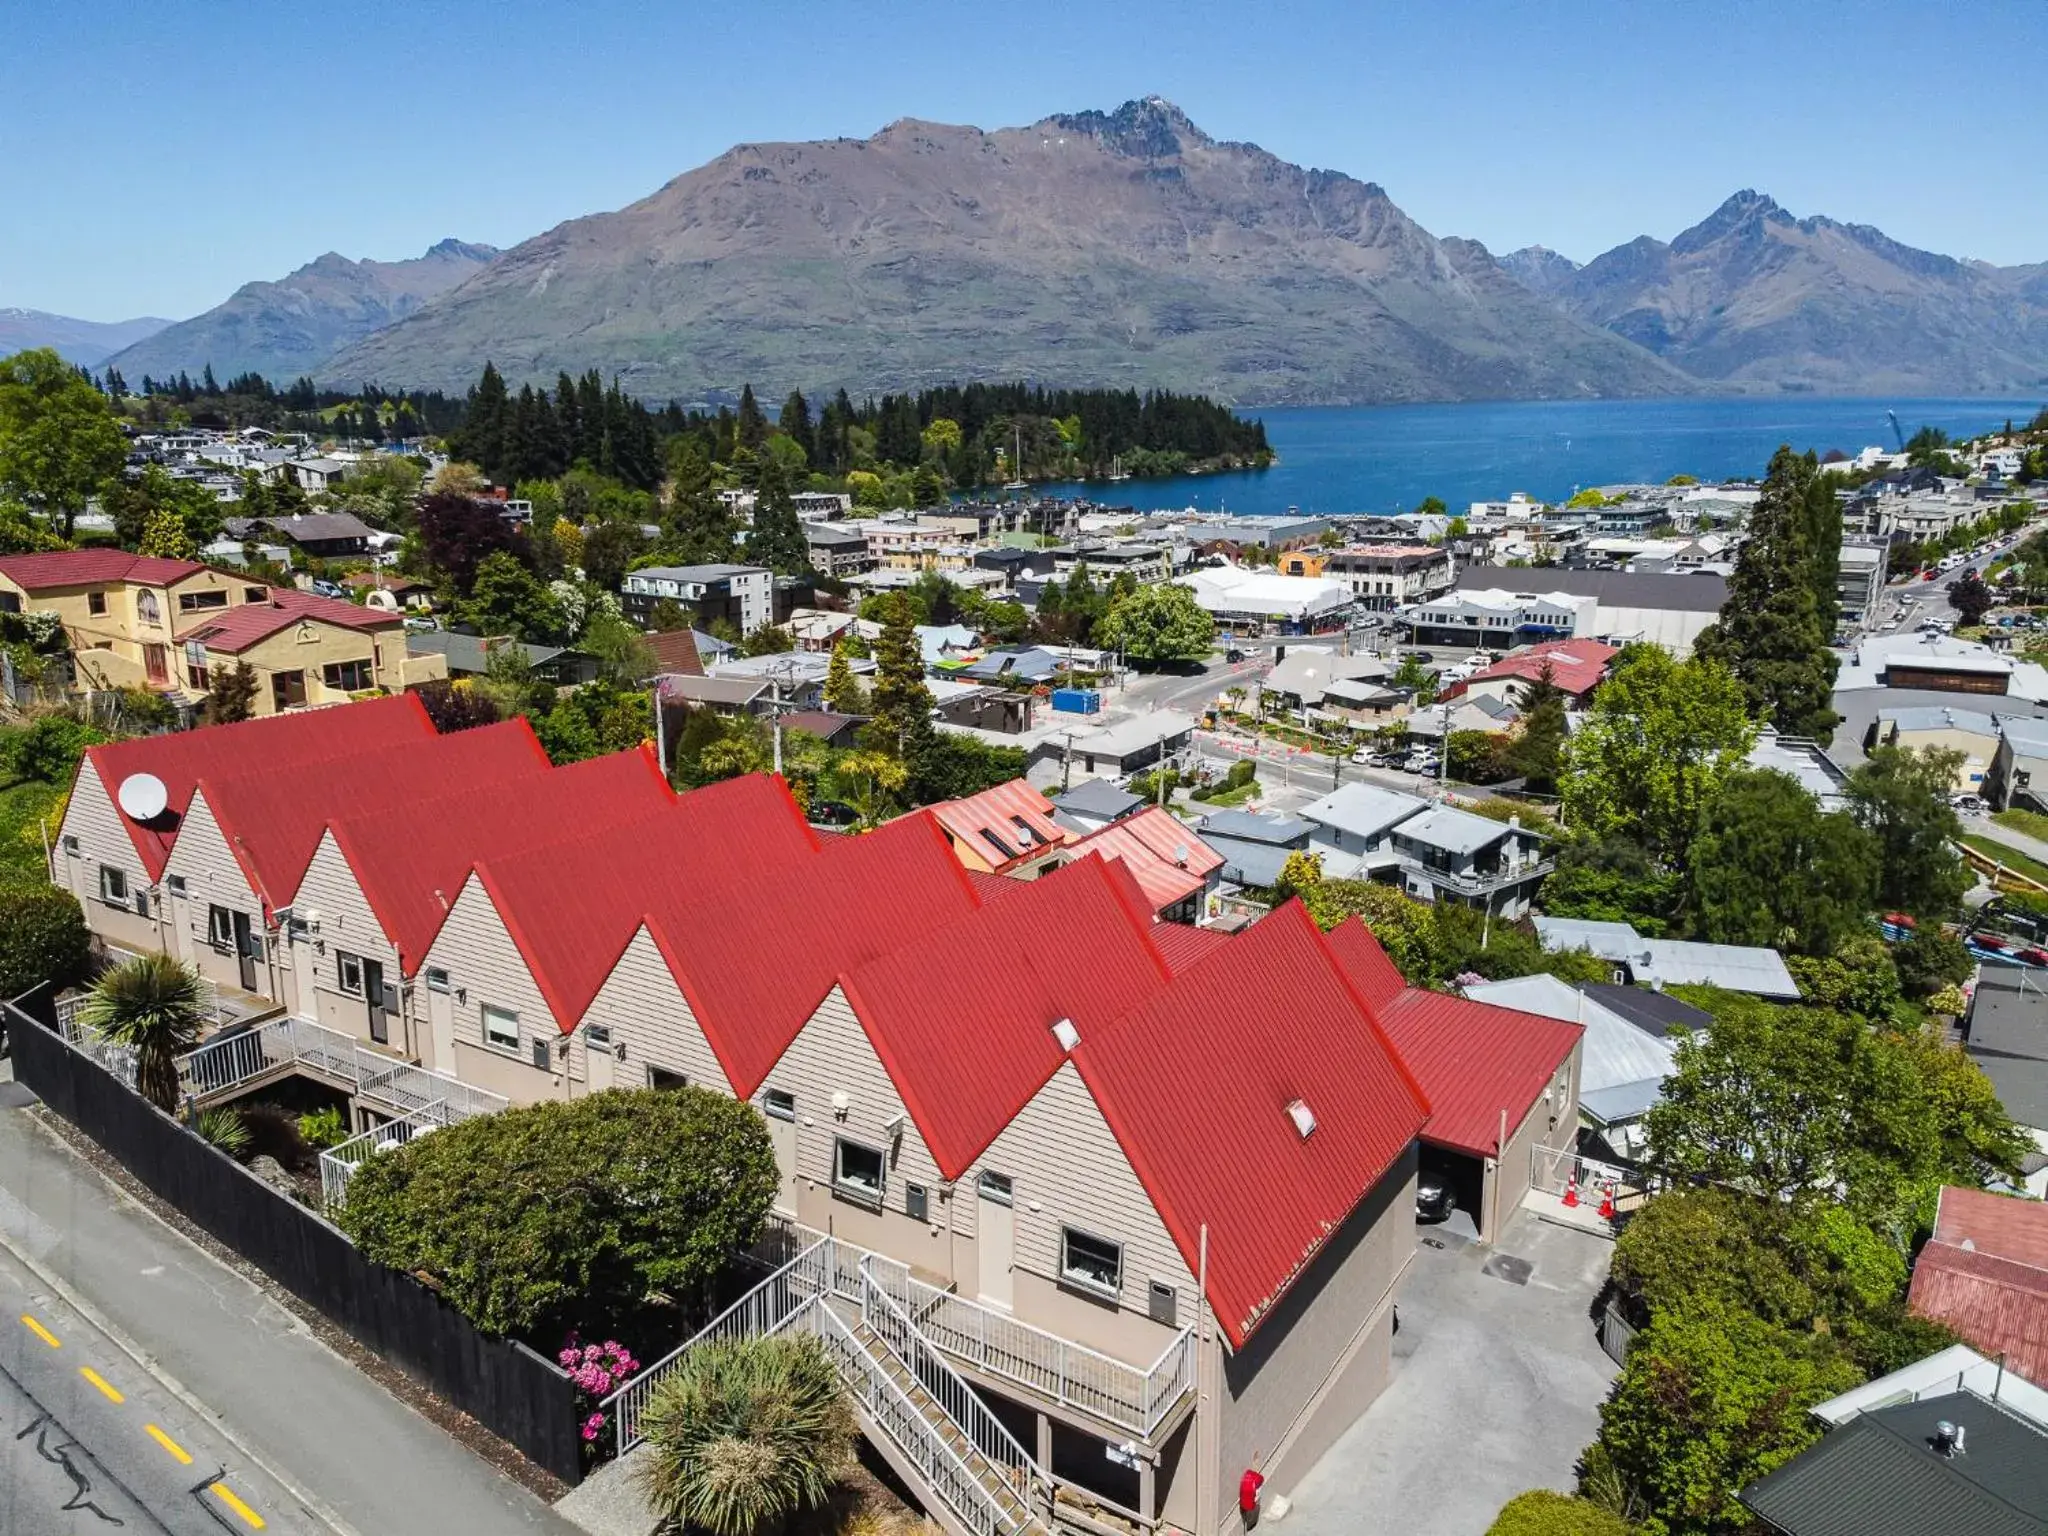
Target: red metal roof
(962, 1015)
(83, 567)
(410, 860)
(1985, 1274)
(277, 742)
(1372, 970)
(1181, 945)
(273, 821)
(239, 628)
(1475, 1062)
(1576, 666)
(988, 824)
(1196, 1084)
(755, 963)
(573, 905)
(1161, 851)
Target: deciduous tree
(1158, 624)
(1769, 868)
(59, 442)
(1901, 795)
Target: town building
(1942, 728)
(1672, 962)
(2019, 766)
(1859, 581)
(1261, 602)
(837, 551)
(742, 595)
(2006, 1034)
(305, 651)
(470, 656)
(1574, 667)
(1984, 1274)
(1501, 608)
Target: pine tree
(703, 527)
(795, 422)
(901, 704)
(1770, 633)
(752, 425)
(777, 538)
(843, 692)
(484, 428)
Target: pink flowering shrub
(598, 1370)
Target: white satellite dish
(143, 797)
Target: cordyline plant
(156, 1006)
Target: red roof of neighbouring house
(573, 905)
(1161, 851)
(1984, 1273)
(277, 742)
(1576, 666)
(82, 567)
(1372, 970)
(1196, 1085)
(966, 1042)
(410, 860)
(239, 628)
(754, 969)
(272, 821)
(675, 650)
(988, 823)
(1476, 1063)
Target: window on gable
(501, 1028)
(859, 1172)
(778, 1104)
(200, 602)
(997, 1189)
(255, 594)
(437, 979)
(113, 885)
(348, 970)
(95, 603)
(220, 927)
(1094, 1263)
(348, 676)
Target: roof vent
(142, 797)
(1063, 1031)
(1180, 854)
(1948, 1438)
(1303, 1117)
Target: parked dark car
(1435, 1196)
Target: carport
(1500, 1082)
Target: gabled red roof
(1475, 1062)
(1576, 666)
(82, 567)
(572, 906)
(1985, 1274)
(278, 742)
(1371, 969)
(410, 860)
(755, 964)
(1161, 851)
(239, 628)
(967, 1038)
(989, 824)
(1196, 1084)
(273, 821)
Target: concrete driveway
(1496, 1389)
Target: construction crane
(1897, 435)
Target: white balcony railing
(339, 1162)
(289, 1044)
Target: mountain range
(290, 328)
(1754, 296)
(85, 342)
(1122, 248)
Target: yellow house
(1303, 562)
(144, 621)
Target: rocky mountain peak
(1745, 209)
(1151, 129)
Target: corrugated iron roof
(1371, 968)
(1575, 666)
(410, 859)
(989, 824)
(277, 742)
(1475, 1062)
(1984, 1272)
(967, 1053)
(1181, 945)
(755, 964)
(80, 567)
(1196, 1084)
(273, 821)
(1162, 852)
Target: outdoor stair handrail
(227, 1061)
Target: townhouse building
(1153, 1301)
(742, 595)
(1383, 577)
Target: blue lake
(1347, 459)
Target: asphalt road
(93, 1442)
(232, 1378)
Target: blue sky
(155, 156)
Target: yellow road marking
(184, 1456)
(100, 1381)
(41, 1332)
(227, 1496)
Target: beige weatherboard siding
(330, 911)
(202, 874)
(94, 837)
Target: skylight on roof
(1303, 1117)
(1063, 1031)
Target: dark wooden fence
(513, 1392)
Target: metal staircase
(910, 1402)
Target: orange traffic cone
(1571, 1190)
(1607, 1201)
